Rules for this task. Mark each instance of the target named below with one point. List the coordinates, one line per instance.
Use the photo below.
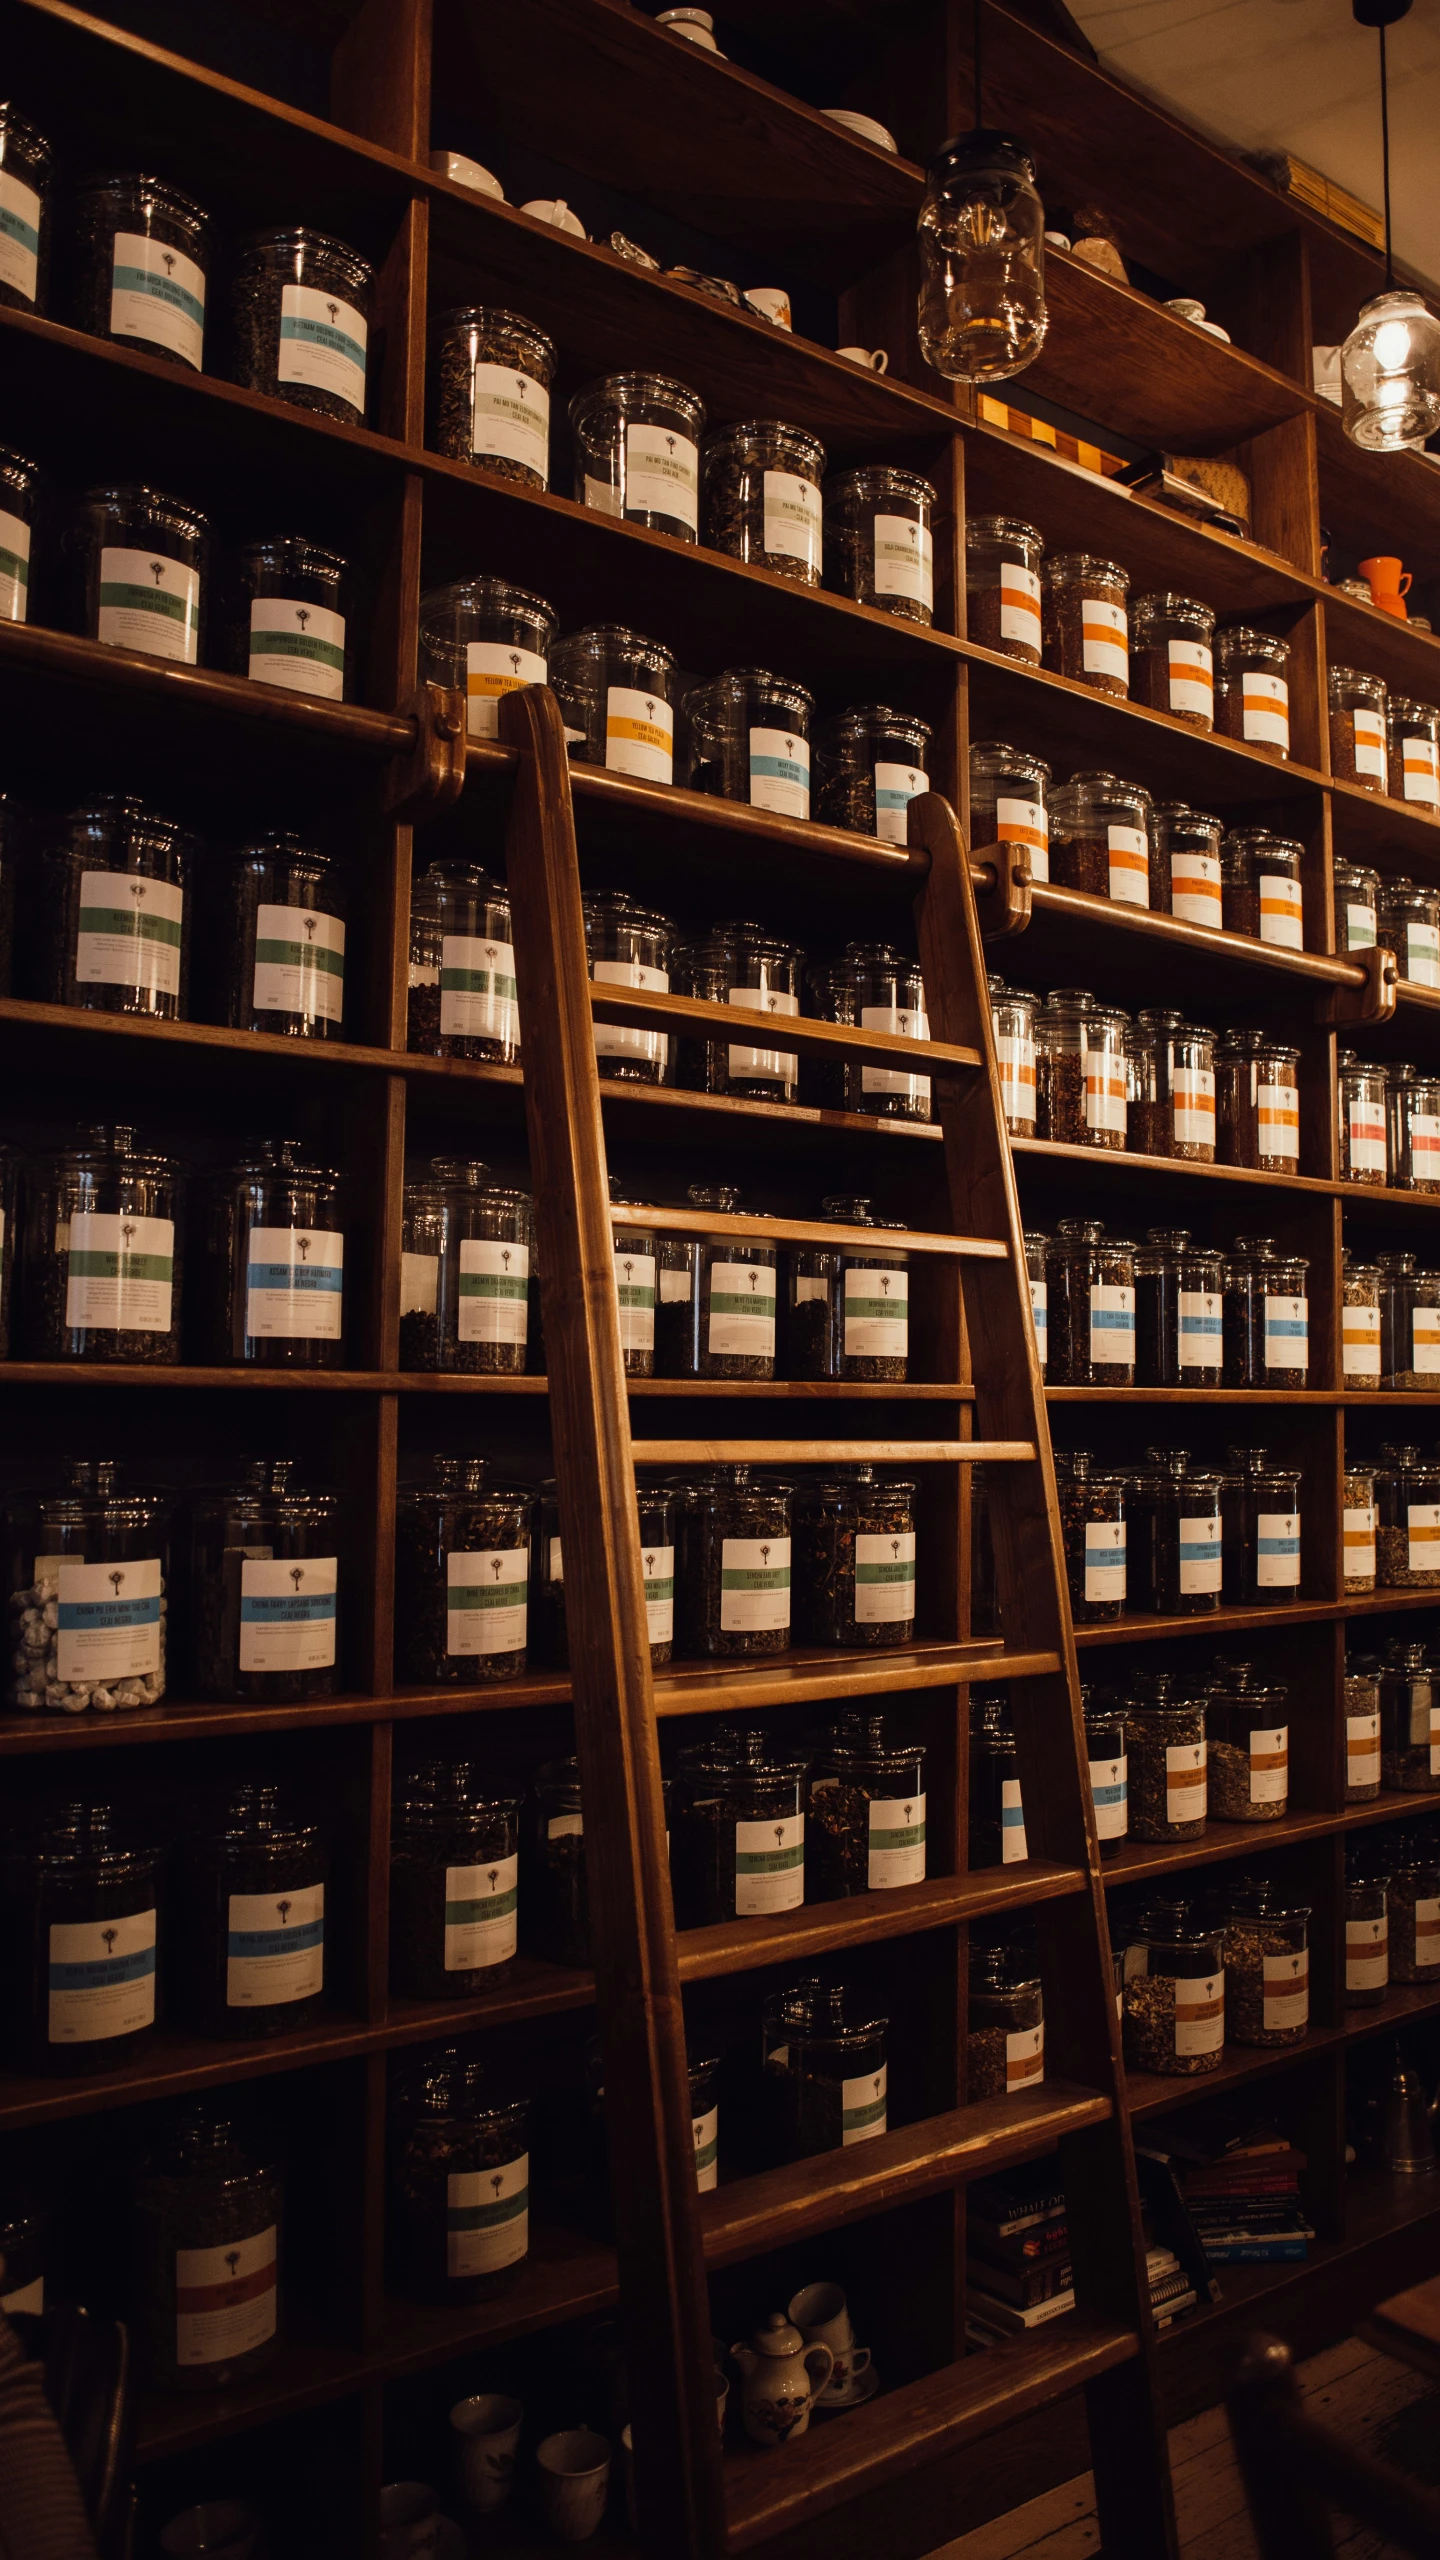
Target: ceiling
(1294, 75)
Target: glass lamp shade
(1390, 374)
(982, 260)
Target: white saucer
(866, 2386)
(867, 127)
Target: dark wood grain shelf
(1217, 959)
(1119, 357)
(1294, 1613)
(1154, 2093)
(866, 1919)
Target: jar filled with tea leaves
(454, 1886)
(1092, 1522)
(424, 1243)
(1367, 1926)
(1086, 628)
(1174, 1993)
(102, 1251)
(1248, 1744)
(1260, 1506)
(1416, 1345)
(1178, 1536)
(655, 1505)
(873, 1311)
(762, 975)
(1413, 742)
(1412, 1896)
(25, 204)
(1362, 1285)
(810, 1312)
(702, 2072)
(1171, 1102)
(300, 313)
(483, 1302)
(637, 451)
(250, 1918)
(19, 486)
(1185, 864)
(855, 1560)
(285, 615)
(1357, 728)
(1166, 1746)
(1109, 1770)
(749, 739)
(1036, 1248)
(826, 2072)
(1171, 660)
(870, 764)
(458, 2178)
(462, 966)
(1267, 1315)
(1413, 1115)
(1262, 892)
(1179, 1299)
(139, 572)
(280, 930)
(558, 1903)
(1257, 1102)
(1081, 1080)
(865, 1818)
(735, 1296)
(1012, 1019)
(1357, 903)
(1407, 1536)
(1002, 586)
(997, 1811)
(1361, 1692)
(760, 486)
(1009, 802)
(879, 544)
(275, 1261)
(735, 1560)
(1358, 1574)
(81, 1916)
(1090, 1281)
(616, 692)
(876, 988)
(741, 1845)
(1409, 926)
(1266, 1948)
(1252, 689)
(492, 376)
(264, 1587)
(462, 1555)
(1409, 1720)
(636, 1250)
(1100, 838)
(1005, 2029)
(140, 266)
(115, 909)
(484, 638)
(208, 2219)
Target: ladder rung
(754, 1025)
(832, 1453)
(762, 1230)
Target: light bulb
(1392, 345)
(1390, 374)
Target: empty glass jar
(982, 309)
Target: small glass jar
(1260, 1508)
(735, 1566)
(855, 1561)
(876, 988)
(870, 765)
(1086, 630)
(102, 1249)
(1407, 1535)
(110, 1654)
(1173, 1111)
(1171, 657)
(462, 966)
(655, 1507)
(484, 638)
(1414, 1125)
(1092, 1525)
(1362, 1287)
(1357, 728)
(139, 569)
(1257, 1101)
(1109, 1770)
(1081, 1079)
(637, 451)
(462, 1577)
(982, 314)
(1409, 1720)
(997, 1812)
(1252, 689)
(1248, 1751)
(458, 2179)
(1185, 865)
(741, 1851)
(825, 2070)
(116, 909)
(1358, 1531)
(250, 1917)
(865, 1814)
(879, 539)
(82, 1935)
(274, 1247)
(141, 260)
(616, 692)
(1413, 743)
(264, 1588)
(1009, 802)
(285, 614)
(1179, 1304)
(1412, 1906)
(208, 2224)
(280, 940)
(1409, 925)
(1174, 1993)
(300, 311)
(1037, 1247)
(1166, 1750)
(1012, 1019)
(19, 482)
(1002, 586)
(1361, 1690)
(1262, 892)
(1266, 1948)
(1100, 838)
(1367, 1929)
(25, 199)
(454, 1886)
(760, 483)
(1357, 906)
(749, 739)
(1005, 2019)
(1090, 1282)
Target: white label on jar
(101, 1977)
(419, 1283)
(1367, 1955)
(1360, 1329)
(635, 1290)
(1200, 1326)
(769, 1865)
(1040, 1317)
(19, 235)
(1193, 1106)
(1359, 1542)
(120, 1273)
(1425, 1145)
(1422, 1530)
(677, 1288)
(1104, 1090)
(299, 963)
(1281, 912)
(624, 1039)
(298, 646)
(1277, 1551)
(657, 1564)
(1013, 1848)
(1199, 2012)
(1112, 1326)
(603, 497)
(1422, 955)
(1368, 732)
(896, 1842)
(1265, 708)
(1277, 1121)
(1016, 1057)
(1192, 677)
(14, 548)
(323, 342)
(1362, 1751)
(1185, 1782)
(294, 1284)
(493, 668)
(109, 1622)
(1418, 766)
(662, 475)
(772, 1066)
(754, 1583)
(1200, 1552)
(1020, 604)
(1359, 928)
(862, 2106)
(494, 1295)
(792, 518)
(149, 603)
(157, 293)
(780, 772)
(1024, 2059)
(742, 1310)
(896, 785)
(1287, 1333)
(1425, 1340)
(1105, 1560)
(1286, 1992)
(481, 1913)
(487, 2217)
(1365, 1133)
(477, 989)
(27, 2297)
(1427, 1938)
(1269, 1764)
(275, 1947)
(877, 1314)
(485, 1601)
(639, 734)
(899, 1023)
(1025, 822)
(705, 2133)
(1110, 1795)
(225, 2299)
(1195, 895)
(884, 1576)
(129, 933)
(1129, 866)
(287, 1613)
(1106, 650)
(564, 1826)
(904, 560)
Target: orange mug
(1389, 585)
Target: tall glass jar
(865, 1814)
(1413, 743)
(484, 638)
(637, 451)
(140, 266)
(275, 1255)
(208, 2224)
(741, 1850)
(82, 1931)
(749, 739)
(250, 1917)
(458, 2179)
(285, 613)
(1409, 1720)
(462, 966)
(1409, 926)
(1005, 2020)
(300, 313)
(1012, 1018)
(102, 1252)
(870, 764)
(1407, 1536)
(1252, 689)
(1266, 1317)
(19, 485)
(1248, 1751)
(809, 1312)
(1262, 891)
(1036, 1248)
(1257, 1101)
(1266, 1947)
(104, 1549)
(735, 1559)
(1179, 1301)
(1092, 1525)
(424, 1244)
(1260, 1507)
(1172, 1086)
(1100, 838)
(462, 1554)
(1081, 1080)
(1090, 1281)
(1413, 1114)
(264, 1588)
(281, 937)
(454, 1886)
(558, 1916)
(872, 1310)
(760, 490)
(879, 539)
(25, 194)
(116, 911)
(1002, 586)
(1166, 1747)
(1361, 1690)
(1412, 1894)
(1174, 2020)
(1009, 802)
(1086, 629)
(997, 1811)
(1186, 1536)
(855, 1561)
(1171, 658)
(1357, 903)
(1362, 1288)
(825, 2070)
(1109, 1770)
(492, 373)
(616, 692)
(1358, 1530)
(1367, 1928)
(736, 1283)
(140, 566)
(1357, 727)
(1185, 865)
(485, 1281)
(655, 1506)
(636, 1252)
(877, 988)
(1417, 1345)
(762, 975)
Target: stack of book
(1245, 2202)
(1171, 2291)
(1018, 2253)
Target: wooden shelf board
(1045, 1151)
(1074, 910)
(1403, 2003)
(865, 1919)
(1153, 2093)
(735, 1691)
(1123, 1396)
(1118, 357)
(139, 687)
(1135, 1861)
(668, 812)
(776, 1126)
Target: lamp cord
(979, 47)
(1384, 154)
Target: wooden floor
(1363, 2397)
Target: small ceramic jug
(782, 2379)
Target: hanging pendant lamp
(1390, 363)
(982, 313)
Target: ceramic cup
(874, 359)
(487, 2432)
(225, 2530)
(574, 2478)
(822, 2316)
(410, 2519)
(1388, 583)
(555, 209)
(771, 302)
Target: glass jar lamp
(1390, 374)
(982, 260)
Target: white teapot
(783, 2379)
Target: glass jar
(1361, 1288)
(462, 1553)
(1005, 2022)
(760, 483)
(1037, 1247)
(637, 451)
(1260, 1508)
(1266, 1949)
(870, 765)
(250, 1918)
(1414, 1127)
(876, 988)
(879, 539)
(655, 1506)
(140, 563)
(300, 310)
(741, 1850)
(424, 1244)
(458, 2179)
(982, 259)
(865, 1814)
(1266, 1317)
(1166, 1750)
(1417, 1330)
(1252, 689)
(1002, 586)
(636, 1250)
(1361, 1689)
(825, 2070)
(1092, 1525)
(140, 265)
(82, 1941)
(1081, 1081)
(873, 1300)
(855, 1561)
(1407, 1535)
(749, 739)
(1248, 1750)
(1357, 906)
(25, 200)
(1412, 1907)
(1357, 728)
(1100, 838)
(616, 692)
(742, 964)
(485, 638)
(492, 373)
(997, 1811)
(1367, 1930)
(1257, 1100)
(116, 911)
(558, 1916)
(1090, 1283)
(1185, 865)
(810, 1312)
(101, 1255)
(736, 1283)
(454, 1886)
(1174, 1994)
(1012, 1019)
(482, 1301)
(280, 938)
(1409, 926)
(1262, 893)
(1358, 1531)
(1172, 1090)
(1179, 1302)
(208, 2219)
(19, 479)
(1171, 656)
(1180, 1534)
(735, 1566)
(1086, 631)
(107, 1550)
(264, 1588)
(462, 966)
(1409, 1720)
(1009, 802)
(1413, 742)
(275, 1255)
(1109, 1772)
(285, 615)
(702, 2072)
